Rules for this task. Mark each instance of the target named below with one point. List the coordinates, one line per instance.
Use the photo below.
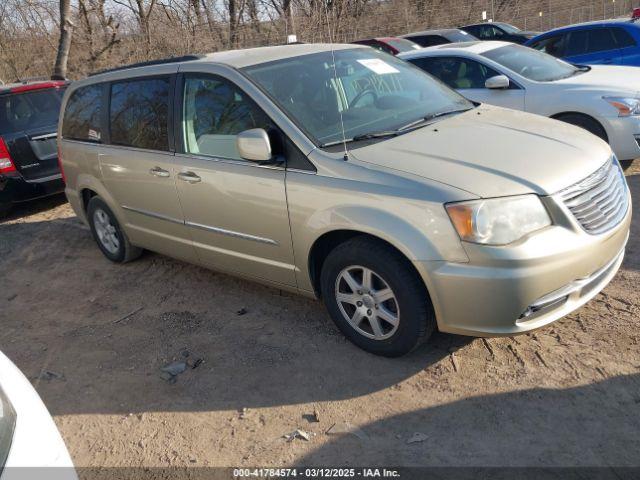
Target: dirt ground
(93, 336)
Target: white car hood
(606, 78)
(493, 152)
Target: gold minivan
(345, 174)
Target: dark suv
(28, 149)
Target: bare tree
(64, 45)
(97, 30)
(142, 11)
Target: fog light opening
(537, 307)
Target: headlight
(7, 425)
(498, 221)
(626, 106)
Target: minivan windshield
(375, 94)
(532, 64)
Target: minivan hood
(492, 152)
(607, 78)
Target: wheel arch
(328, 241)
(89, 187)
(559, 115)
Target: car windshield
(532, 64)
(371, 92)
(508, 28)
(21, 111)
(402, 44)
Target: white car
(30, 444)
(602, 99)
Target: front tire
(376, 298)
(108, 234)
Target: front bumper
(624, 135)
(518, 288)
(36, 442)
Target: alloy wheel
(367, 302)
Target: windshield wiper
(381, 134)
(363, 136)
(394, 133)
(426, 119)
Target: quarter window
(623, 38)
(82, 120)
(138, 114)
(215, 112)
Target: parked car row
(28, 111)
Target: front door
(138, 165)
(468, 77)
(236, 210)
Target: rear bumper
(17, 189)
(515, 289)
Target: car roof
(234, 58)
(477, 47)
(441, 31)
(595, 23)
(386, 39)
(378, 39)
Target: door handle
(159, 172)
(189, 177)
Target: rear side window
(601, 40)
(30, 110)
(577, 44)
(138, 113)
(623, 38)
(81, 119)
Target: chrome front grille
(600, 201)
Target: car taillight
(6, 163)
(64, 179)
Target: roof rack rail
(162, 61)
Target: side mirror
(499, 82)
(254, 145)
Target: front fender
(435, 241)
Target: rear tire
(108, 234)
(391, 314)
(585, 122)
